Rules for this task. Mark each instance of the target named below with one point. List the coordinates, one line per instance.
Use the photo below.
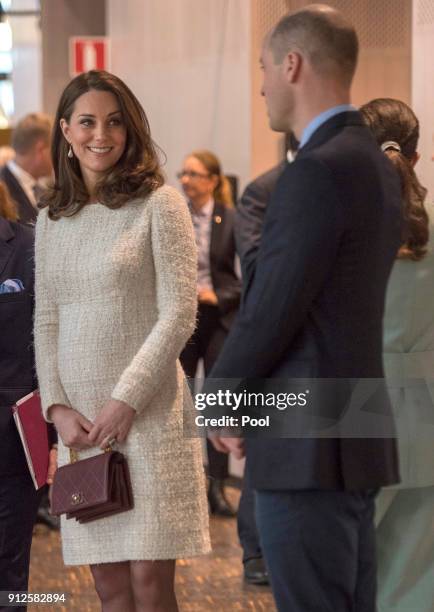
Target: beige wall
(423, 87)
(267, 146)
(188, 63)
(61, 19)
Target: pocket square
(11, 285)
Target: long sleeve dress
(115, 304)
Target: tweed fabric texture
(115, 305)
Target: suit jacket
(249, 217)
(314, 306)
(225, 281)
(17, 373)
(409, 362)
(27, 212)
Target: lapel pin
(217, 219)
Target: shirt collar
(22, 175)
(322, 118)
(205, 211)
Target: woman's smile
(100, 150)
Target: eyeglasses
(191, 174)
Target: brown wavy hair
(223, 191)
(136, 174)
(392, 120)
(8, 209)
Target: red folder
(33, 431)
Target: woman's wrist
(56, 409)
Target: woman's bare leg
(153, 585)
(113, 585)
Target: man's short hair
(30, 129)
(322, 34)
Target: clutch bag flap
(82, 484)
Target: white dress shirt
(202, 223)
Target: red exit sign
(88, 53)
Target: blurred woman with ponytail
(210, 200)
(405, 534)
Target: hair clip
(390, 144)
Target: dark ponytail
(396, 129)
(415, 232)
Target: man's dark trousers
(292, 517)
(246, 522)
(19, 503)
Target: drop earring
(70, 153)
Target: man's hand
(228, 445)
(72, 427)
(207, 296)
(112, 423)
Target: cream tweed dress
(115, 304)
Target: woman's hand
(112, 423)
(72, 427)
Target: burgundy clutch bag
(92, 488)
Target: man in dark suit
(22, 176)
(313, 309)
(250, 215)
(250, 212)
(18, 498)
(249, 219)
(31, 143)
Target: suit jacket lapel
(216, 229)
(6, 248)
(25, 207)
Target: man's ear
(292, 65)
(40, 145)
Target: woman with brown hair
(405, 537)
(115, 304)
(218, 288)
